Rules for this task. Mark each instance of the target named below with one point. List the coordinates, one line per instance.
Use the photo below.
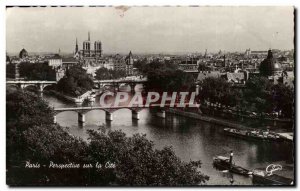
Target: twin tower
(87, 51)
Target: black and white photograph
(150, 96)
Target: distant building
(129, 64)
(236, 78)
(55, 61)
(68, 62)
(88, 56)
(204, 75)
(87, 51)
(23, 54)
(270, 66)
(118, 62)
(258, 53)
(189, 64)
(288, 78)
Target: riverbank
(212, 120)
(77, 100)
(287, 136)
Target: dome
(269, 66)
(277, 66)
(23, 53)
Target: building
(204, 75)
(129, 64)
(270, 66)
(119, 62)
(87, 51)
(55, 61)
(89, 56)
(235, 78)
(68, 62)
(23, 54)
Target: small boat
(254, 134)
(223, 163)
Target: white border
(4, 3)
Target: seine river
(190, 139)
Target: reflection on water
(191, 139)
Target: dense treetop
(37, 71)
(75, 82)
(108, 74)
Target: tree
(217, 90)
(167, 77)
(258, 93)
(10, 70)
(103, 74)
(108, 74)
(37, 71)
(283, 99)
(75, 82)
(138, 163)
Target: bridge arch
(29, 86)
(48, 86)
(125, 84)
(13, 85)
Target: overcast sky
(150, 29)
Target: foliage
(108, 74)
(218, 91)
(36, 71)
(31, 136)
(138, 163)
(259, 95)
(167, 77)
(140, 65)
(283, 99)
(10, 70)
(76, 82)
(203, 67)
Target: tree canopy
(37, 71)
(167, 77)
(108, 74)
(259, 95)
(10, 70)
(76, 82)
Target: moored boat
(253, 134)
(223, 163)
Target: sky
(150, 29)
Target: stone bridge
(38, 84)
(81, 111)
(117, 83)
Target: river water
(190, 139)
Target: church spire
(89, 36)
(76, 47)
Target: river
(190, 139)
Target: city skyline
(150, 29)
